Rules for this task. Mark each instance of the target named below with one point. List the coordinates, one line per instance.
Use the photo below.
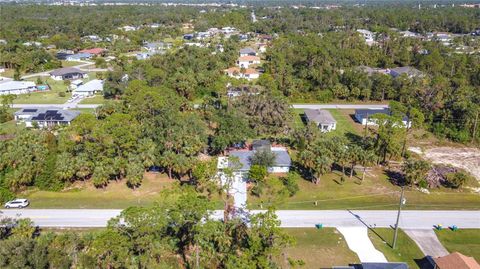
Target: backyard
(47, 97)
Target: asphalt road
(289, 218)
(47, 72)
(300, 106)
(59, 106)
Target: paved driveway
(427, 241)
(359, 242)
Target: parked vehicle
(17, 203)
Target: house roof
(93, 85)
(48, 114)
(384, 265)
(456, 260)
(410, 71)
(319, 116)
(16, 85)
(248, 58)
(66, 70)
(281, 158)
(248, 71)
(93, 51)
(247, 51)
(79, 55)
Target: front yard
(465, 241)
(321, 248)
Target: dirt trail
(465, 158)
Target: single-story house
(282, 160)
(68, 73)
(63, 55)
(247, 52)
(368, 36)
(233, 92)
(94, 51)
(322, 118)
(156, 46)
(78, 57)
(88, 89)
(17, 87)
(248, 73)
(246, 61)
(75, 84)
(456, 260)
(408, 70)
(45, 117)
(363, 116)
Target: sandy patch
(464, 158)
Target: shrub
(6, 195)
(290, 183)
(458, 179)
(62, 94)
(257, 173)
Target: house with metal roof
(282, 160)
(247, 52)
(17, 87)
(321, 118)
(78, 56)
(69, 73)
(409, 71)
(89, 89)
(45, 117)
(364, 116)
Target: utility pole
(400, 204)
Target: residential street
(338, 106)
(47, 72)
(289, 218)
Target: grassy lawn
(8, 73)
(376, 192)
(406, 250)
(322, 248)
(115, 195)
(48, 97)
(97, 99)
(9, 127)
(345, 124)
(465, 241)
(70, 63)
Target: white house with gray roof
(322, 118)
(45, 117)
(16, 87)
(89, 89)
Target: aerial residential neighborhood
(240, 134)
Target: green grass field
(465, 241)
(376, 192)
(70, 63)
(116, 195)
(322, 248)
(47, 97)
(406, 250)
(97, 99)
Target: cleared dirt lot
(465, 158)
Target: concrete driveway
(427, 241)
(359, 242)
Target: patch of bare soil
(464, 158)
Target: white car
(17, 203)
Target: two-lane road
(411, 219)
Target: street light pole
(402, 202)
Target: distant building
(247, 52)
(369, 36)
(322, 118)
(68, 73)
(78, 57)
(409, 71)
(246, 61)
(237, 91)
(17, 87)
(89, 89)
(45, 117)
(248, 73)
(157, 46)
(94, 51)
(364, 116)
(74, 84)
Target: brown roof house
(456, 260)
